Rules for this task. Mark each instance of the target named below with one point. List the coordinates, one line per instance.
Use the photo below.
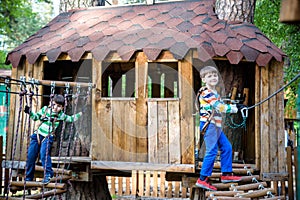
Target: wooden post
(141, 107)
(290, 172)
(290, 11)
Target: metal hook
(244, 112)
(52, 87)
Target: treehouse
(141, 65)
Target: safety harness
(197, 105)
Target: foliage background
(285, 36)
(18, 20)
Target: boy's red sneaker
(230, 179)
(205, 185)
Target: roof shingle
(173, 26)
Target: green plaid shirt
(46, 127)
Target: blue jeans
(215, 138)
(33, 151)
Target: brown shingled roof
(173, 26)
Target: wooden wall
(156, 130)
(269, 119)
(161, 131)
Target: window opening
(163, 80)
(118, 79)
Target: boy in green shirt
(42, 139)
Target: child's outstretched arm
(71, 118)
(35, 116)
(217, 104)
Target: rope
(61, 135)
(16, 136)
(27, 139)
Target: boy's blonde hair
(207, 69)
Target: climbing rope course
(29, 90)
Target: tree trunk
(97, 189)
(235, 10)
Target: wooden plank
(177, 189)
(141, 182)
(152, 132)
(118, 116)
(289, 11)
(162, 184)
(280, 119)
(11, 122)
(185, 69)
(184, 192)
(141, 166)
(174, 132)
(163, 142)
(148, 183)
(101, 139)
(169, 191)
(275, 176)
(127, 190)
(264, 118)
(155, 184)
(290, 171)
(141, 107)
(134, 182)
(257, 117)
(273, 132)
(120, 186)
(129, 131)
(113, 185)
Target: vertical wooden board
(113, 185)
(186, 109)
(19, 117)
(148, 183)
(141, 107)
(120, 186)
(102, 132)
(177, 189)
(152, 132)
(264, 118)
(183, 192)
(130, 131)
(101, 139)
(170, 187)
(155, 184)
(163, 140)
(11, 122)
(128, 184)
(272, 120)
(134, 182)
(280, 118)
(162, 184)
(257, 117)
(141, 182)
(174, 132)
(118, 116)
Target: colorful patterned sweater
(210, 100)
(46, 126)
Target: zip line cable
(275, 93)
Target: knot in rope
(23, 92)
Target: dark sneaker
(230, 179)
(46, 180)
(205, 185)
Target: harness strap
(207, 122)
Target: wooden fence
(147, 184)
